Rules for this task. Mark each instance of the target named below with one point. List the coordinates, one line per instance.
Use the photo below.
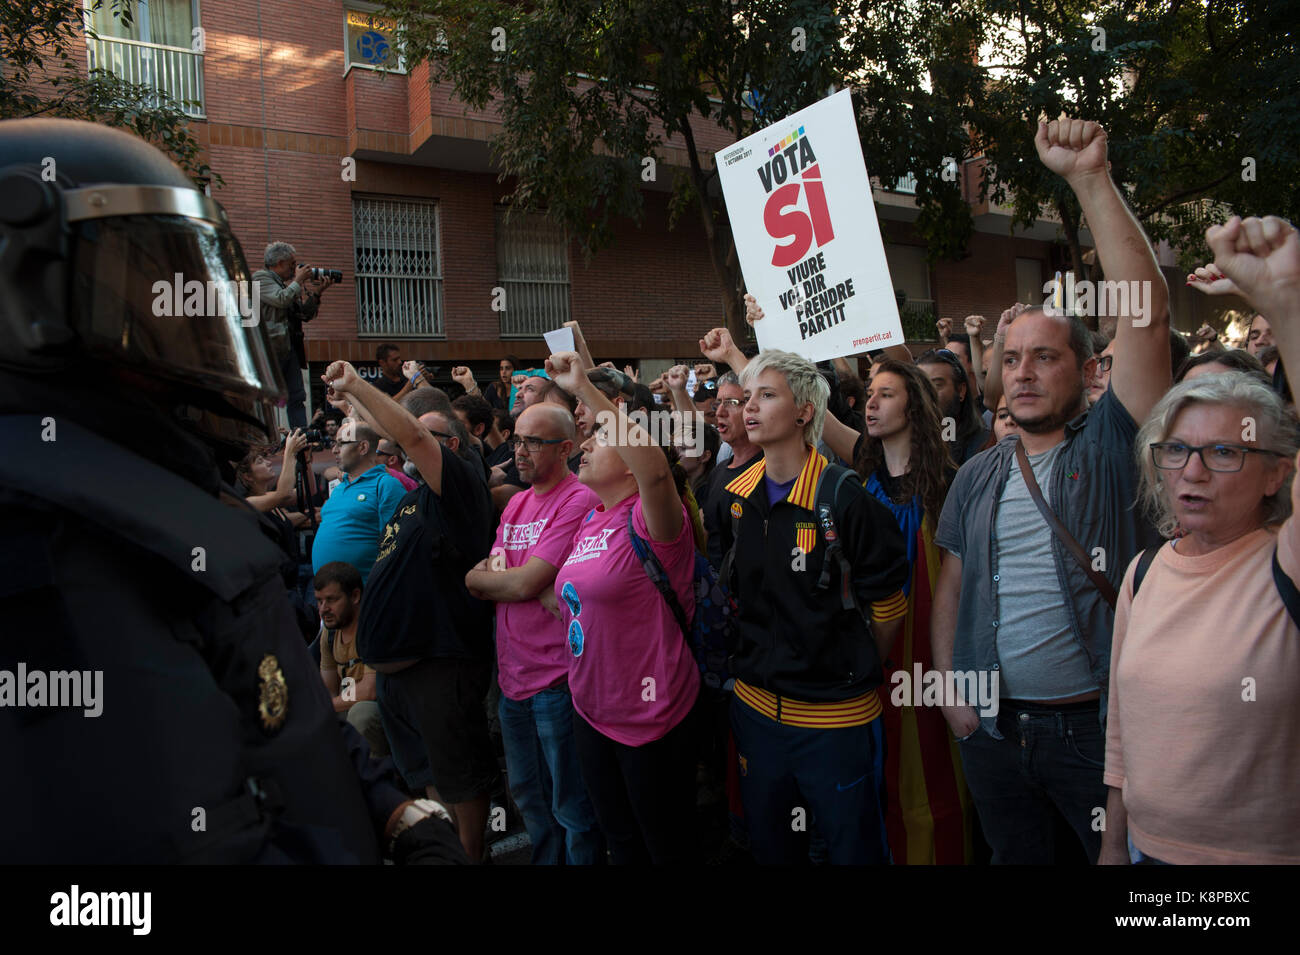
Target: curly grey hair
(1275, 429)
(277, 252)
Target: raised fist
(1071, 147)
(717, 344)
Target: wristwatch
(417, 810)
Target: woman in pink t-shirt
(632, 676)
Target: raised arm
(390, 419)
(974, 325)
(993, 380)
(718, 346)
(1135, 290)
(660, 504)
(283, 494)
(580, 343)
(675, 380)
(1262, 256)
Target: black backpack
(1286, 587)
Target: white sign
(799, 201)
(560, 340)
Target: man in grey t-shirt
(1010, 600)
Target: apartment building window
(910, 273)
(533, 269)
(1029, 281)
(160, 48)
(369, 41)
(398, 267)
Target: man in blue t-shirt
(352, 520)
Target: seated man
(350, 682)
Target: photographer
(289, 298)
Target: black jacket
(216, 741)
(796, 639)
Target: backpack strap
(1144, 564)
(1286, 589)
(824, 506)
(655, 571)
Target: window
(910, 273)
(161, 48)
(1029, 281)
(164, 22)
(533, 269)
(398, 267)
(370, 41)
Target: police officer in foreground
(156, 701)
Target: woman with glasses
(1203, 740)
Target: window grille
(398, 267)
(533, 271)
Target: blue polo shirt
(353, 519)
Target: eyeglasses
(533, 445)
(440, 434)
(732, 402)
(340, 444)
(1224, 458)
(1104, 363)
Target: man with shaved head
(533, 540)
(1013, 606)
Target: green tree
(1187, 94)
(43, 41)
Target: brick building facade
(356, 168)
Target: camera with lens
(334, 275)
(315, 436)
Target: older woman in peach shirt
(1203, 734)
(1203, 729)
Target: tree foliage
(42, 42)
(587, 89)
(1187, 93)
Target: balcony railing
(907, 185)
(918, 318)
(172, 70)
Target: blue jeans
(546, 780)
(1050, 760)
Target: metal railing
(175, 71)
(398, 267)
(533, 269)
(907, 185)
(918, 318)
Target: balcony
(905, 185)
(174, 71)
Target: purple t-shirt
(630, 671)
(777, 492)
(531, 652)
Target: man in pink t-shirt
(536, 711)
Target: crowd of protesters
(535, 558)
